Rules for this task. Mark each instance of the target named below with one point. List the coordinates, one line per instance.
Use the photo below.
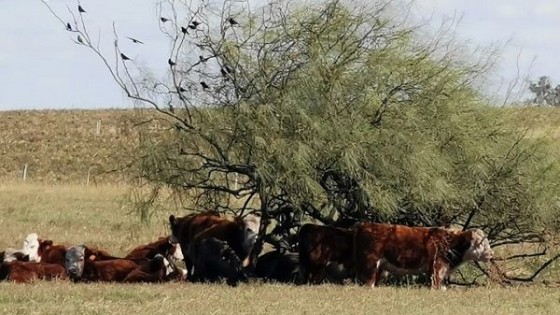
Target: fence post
(24, 176)
(98, 128)
(88, 173)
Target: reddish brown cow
(403, 250)
(19, 271)
(240, 234)
(158, 269)
(322, 246)
(80, 268)
(162, 246)
(55, 254)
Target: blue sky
(40, 67)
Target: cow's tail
(303, 254)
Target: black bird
(170, 62)
(202, 59)
(181, 89)
(81, 10)
(68, 27)
(204, 85)
(195, 23)
(163, 19)
(124, 57)
(192, 27)
(184, 30)
(80, 39)
(134, 40)
(232, 21)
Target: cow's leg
(373, 274)
(316, 275)
(439, 272)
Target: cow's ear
(172, 220)
(47, 243)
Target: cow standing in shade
(322, 250)
(404, 250)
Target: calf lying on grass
(56, 254)
(28, 252)
(82, 269)
(19, 271)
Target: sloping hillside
(64, 145)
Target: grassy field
(73, 214)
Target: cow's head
(159, 262)
(173, 248)
(480, 247)
(31, 247)
(174, 226)
(75, 260)
(251, 226)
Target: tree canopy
(337, 112)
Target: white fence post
(98, 128)
(88, 173)
(24, 176)
(235, 181)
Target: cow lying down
(21, 271)
(82, 269)
(402, 250)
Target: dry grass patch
(176, 298)
(101, 216)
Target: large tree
(335, 111)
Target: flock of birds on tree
(192, 26)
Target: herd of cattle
(215, 248)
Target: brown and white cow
(82, 268)
(240, 234)
(20, 271)
(56, 253)
(321, 250)
(402, 250)
(157, 269)
(28, 252)
(163, 246)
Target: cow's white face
(480, 249)
(75, 260)
(177, 252)
(252, 226)
(31, 247)
(168, 267)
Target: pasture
(101, 215)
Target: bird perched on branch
(232, 21)
(134, 40)
(80, 39)
(68, 27)
(204, 85)
(163, 19)
(81, 10)
(124, 57)
(202, 59)
(184, 30)
(193, 25)
(170, 62)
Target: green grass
(72, 214)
